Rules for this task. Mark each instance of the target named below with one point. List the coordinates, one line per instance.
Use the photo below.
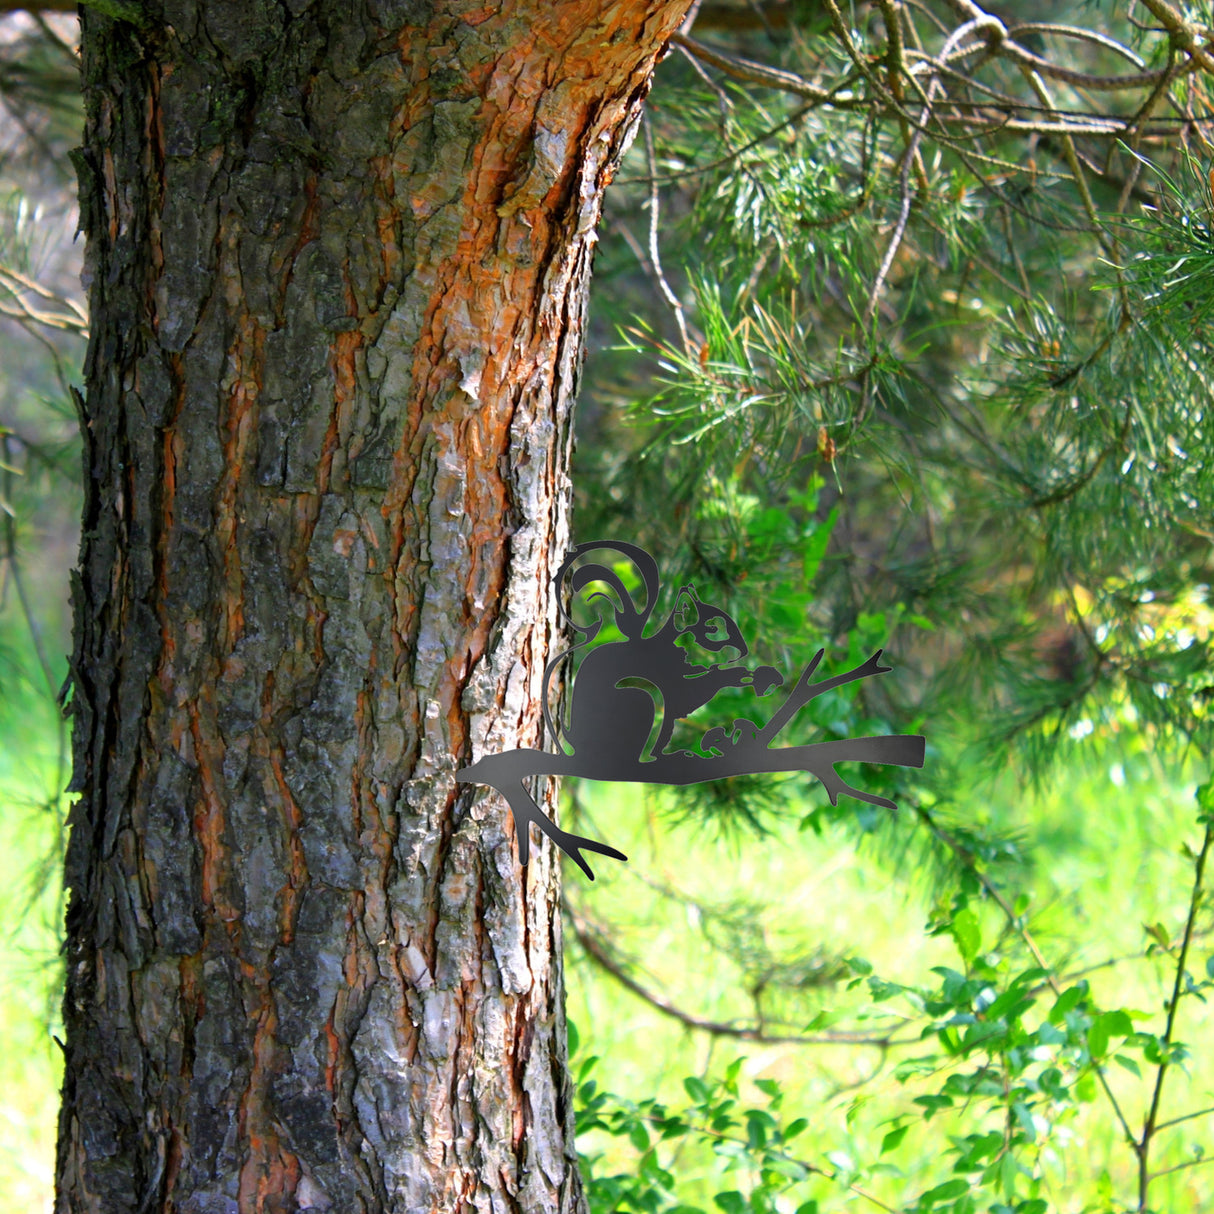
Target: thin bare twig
(1180, 1167)
(721, 161)
(654, 256)
(752, 72)
(891, 251)
(1108, 241)
(1079, 34)
(70, 315)
(1183, 33)
(747, 70)
(1149, 1128)
(1164, 1125)
(895, 69)
(590, 940)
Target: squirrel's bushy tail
(629, 619)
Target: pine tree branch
(1184, 34)
(752, 72)
(591, 939)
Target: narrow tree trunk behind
(338, 255)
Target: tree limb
(591, 940)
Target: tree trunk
(338, 255)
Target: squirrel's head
(706, 625)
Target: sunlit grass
(1104, 851)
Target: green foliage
(757, 1140)
(999, 1065)
(1015, 401)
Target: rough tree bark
(338, 255)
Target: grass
(1103, 852)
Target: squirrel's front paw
(765, 678)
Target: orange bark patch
(297, 874)
(334, 1052)
(246, 362)
(209, 821)
(387, 216)
(344, 364)
(270, 1173)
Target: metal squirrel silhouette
(623, 689)
(612, 720)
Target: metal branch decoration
(627, 695)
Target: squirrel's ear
(686, 608)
